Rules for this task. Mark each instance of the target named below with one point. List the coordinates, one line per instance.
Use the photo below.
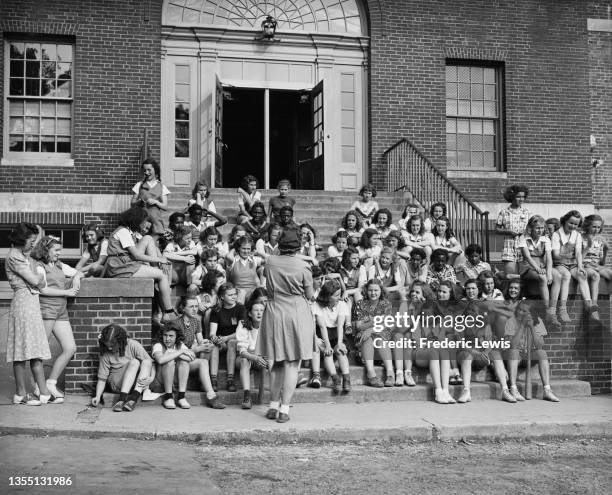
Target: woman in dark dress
(286, 335)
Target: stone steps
(563, 388)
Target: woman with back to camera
(286, 334)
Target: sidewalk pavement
(483, 420)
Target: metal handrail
(409, 169)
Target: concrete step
(563, 388)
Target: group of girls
(374, 268)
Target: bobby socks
(274, 404)
(284, 409)
(210, 395)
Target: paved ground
(108, 466)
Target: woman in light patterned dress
(27, 340)
(511, 223)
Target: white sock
(546, 387)
(274, 404)
(284, 409)
(50, 381)
(210, 395)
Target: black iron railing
(409, 169)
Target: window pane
(463, 126)
(488, 143)
(464, 107)
(181, 130)
(63, 144)
(477, 74)
(463, 74)
(181, 148)
(16, 143)
(463, 159)
(451, 107)
(477, 91)
(31, 144)
(64, 89)
(49, 51)
(477, 160)
(47, 126)
(17, 68)
(182, 74)
(63, 127)
(33, 69)
(181, 111)
(181, 92)
(32, 125)
(463, 141)
(451, 73)
(451, 142)
(64, 71)
(48, 70)
(47, 144)
(489, 160)
(489, 76)
(476, 142)
(477, 108)
(47, 87)
(476, 127)
(32, 108)
(32, 87)
(63, 109)
(33, 51)
(64, 53)
(17, 50)
(348, 137)
(463, 91)
(16, 87)
(487, 127)
(489, 92)
(48, 109)
(451, 90)
(15, 107)
(16, 125)
(451, 125)
(451, 159)
(490, 109)
(71, 239)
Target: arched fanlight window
(327, 16)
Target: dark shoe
(282, 418)
(375, 382)
(346, 385)
(272, 413)
(315, 382)
(337, 384)
(230, 386)
(215, 403)
(129, 405)
(215, 383)
(390, 381)
(246, 401)
(302, 380)
(118, 407)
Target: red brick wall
(116, 90)
(88, 316)
(544, 48)
(600, 84)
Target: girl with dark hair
(27, 340)
(211, 238)
(268, 244)
(200, 195)
(248, 195)
(444, 238)
(373, 305)
(416, 237)
(370, 246)
(258, 223)
(382, 221)
(124, 366)
(309, 244)
(243, 268)
(94, 257)
(286, 335)
(53, 303)
(511, 223)
(208, 298)
(339, 245)
(152, 195)
(366, 207)
(436, 211)
(130, 256)
(352, 224)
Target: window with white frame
(474, 117)
(39, 94)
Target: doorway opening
(273, 131)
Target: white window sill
(40, 161)
(475, 174)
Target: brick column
(127, 302)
